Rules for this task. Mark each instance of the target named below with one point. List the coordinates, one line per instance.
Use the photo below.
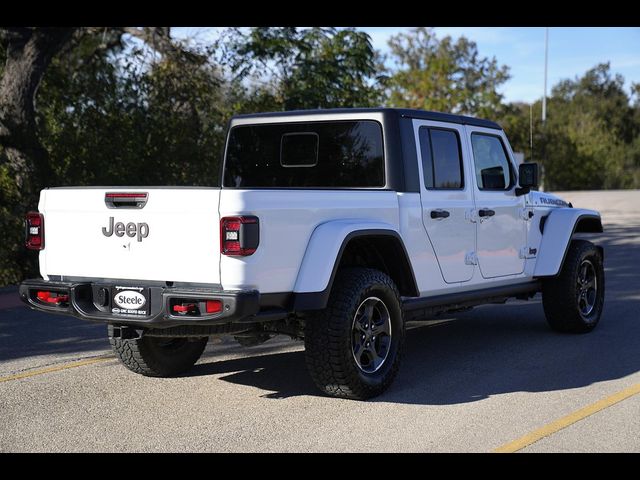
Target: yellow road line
(55, 368)
(567, 420)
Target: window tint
(339, 154)
(441, 160)
(493, 169)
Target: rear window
(344, 154)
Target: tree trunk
(29, 52)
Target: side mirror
(528, 177)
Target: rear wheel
(157, 356)
(353, 347)
(573, 300)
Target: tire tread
(326, 331)
(140, 357)
(558, 292)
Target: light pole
(544, 97)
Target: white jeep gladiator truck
(335, 226)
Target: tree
(306, 68)
(601, 94)
(28, 52)
(590, 140)
(444, 75)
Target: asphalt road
(489, 377)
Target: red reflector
(187, 307)
(58, 299)
(44, 296)
(214, 306)
(34, 231)
(52, 297)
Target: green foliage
(15, 261)
(161, 116)
(307, 68)
(591, 139)
(444, 75)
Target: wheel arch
(376, 243)
(560, 227)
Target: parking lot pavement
(495, 377)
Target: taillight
(239, 235)
(34, 231)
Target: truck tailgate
(174, 237)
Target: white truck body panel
(182, 245)
(288, 219)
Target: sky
(572, 51)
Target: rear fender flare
(323, 254)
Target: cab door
(500, 221)
(447, 197)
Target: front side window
(441, 159)
(493, 169)
(331, 154)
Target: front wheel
(157, 356)
(353, 347)
(573, 300)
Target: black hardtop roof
(403, 112)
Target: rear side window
(441, 159)
(339, 154)
(493, 169)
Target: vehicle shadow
(491, 350)
(28, 333)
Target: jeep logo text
(141, 230)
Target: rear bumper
(85, 300)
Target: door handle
(485, 212)
(439, 214)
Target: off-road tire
(157, 356)
(328, 336)
(560, 294)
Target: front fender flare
(559, 227)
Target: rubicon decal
(141, 230)
(129, 300)
(553, 201)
